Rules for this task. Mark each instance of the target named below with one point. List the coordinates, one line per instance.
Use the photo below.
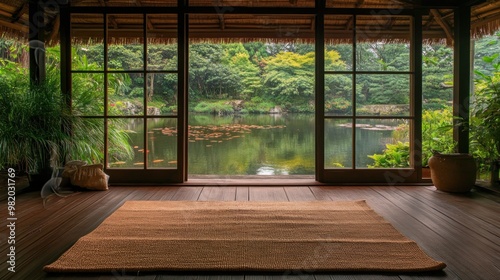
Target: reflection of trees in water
(257, 144)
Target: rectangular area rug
(314, 236)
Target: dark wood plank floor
(461, 230)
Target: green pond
(255, 144)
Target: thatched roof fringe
(234, 27)
(332, 41)
(485, 29)
(10, 33)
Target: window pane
(162, 42)
(125, 94)
(88, 94)
(383, 95)
(375, 137)
(383, 43)
(125, 42)
(338, 95)
(339, 31)
(338, 143)
(89, 136)
(87, 36)
(126, 143)
(162, 143)
(437, 76)
(162, 94)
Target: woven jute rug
(316, 236)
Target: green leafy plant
(437, 133)
(38, 130)
(394, 156)
(485, 113)
(35, 126)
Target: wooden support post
(65, 46)
(416, 88)
(320, 89)
(182, 93)
(461, 78)
(36, 42)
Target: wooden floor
(461, 230)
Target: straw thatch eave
(224, 26)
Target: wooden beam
(19, 12)
(55, 29)
(221, 21)
(446, 27)
(441, 3)
(428, 23)
(103, 3)
(149, 24)
(360, 3)
(485, 20)
(111, 19)
(389, 23)
(18, 27)
(349, 23)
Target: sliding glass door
(128, 74)
(367, 103)
(126, 77)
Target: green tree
(238, 59)
(209, 76)
(289, 78)
(437, 76)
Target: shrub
(394, 156)
(437, 135)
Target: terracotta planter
(453, 172)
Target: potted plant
(437, 135)
(38, 130)
(34, 127)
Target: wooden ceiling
(228, 22)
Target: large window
(368, 95)
(127, 81)
(129, 73)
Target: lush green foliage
(394, 156)
(437, 135)
(437, 76)
(38, 129)
(34, 126)
(278, 74)
(258, 77)
(485, 109)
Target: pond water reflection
(255, 144)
